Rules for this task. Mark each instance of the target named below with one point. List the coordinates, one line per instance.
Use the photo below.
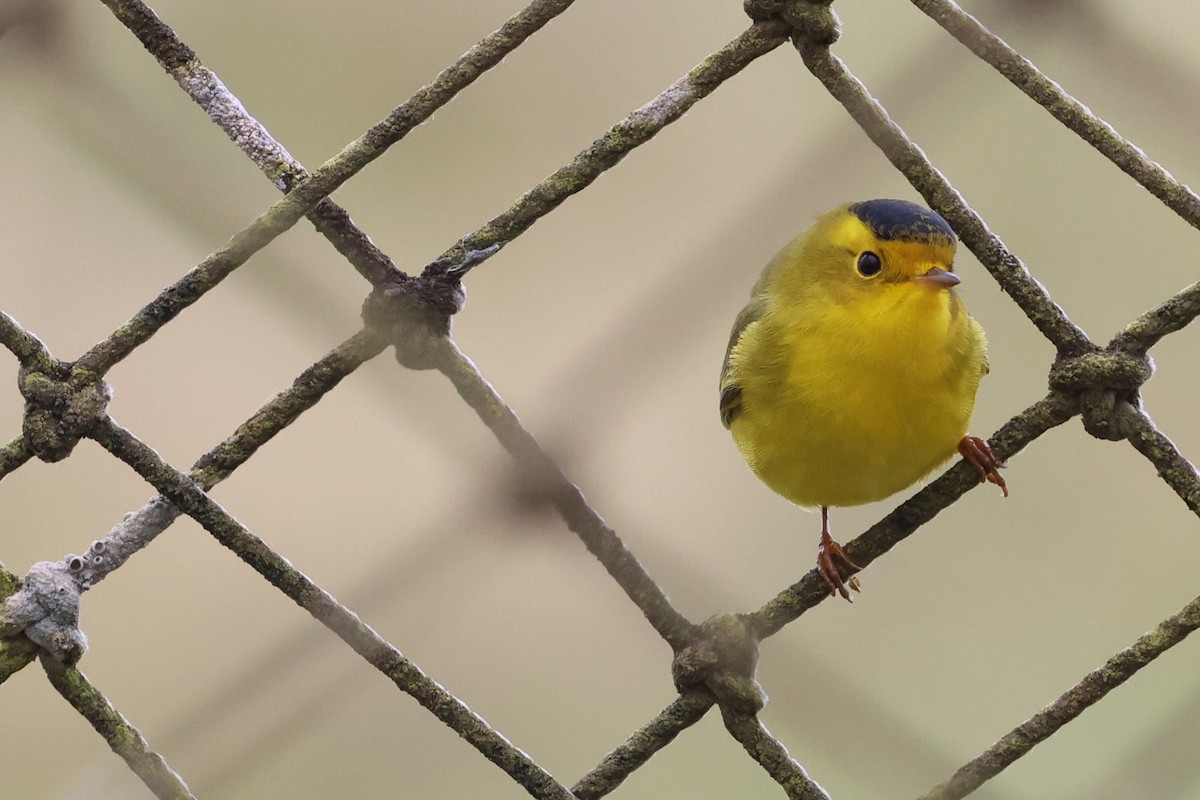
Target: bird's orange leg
(832, 560)
(979, 455)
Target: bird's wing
(731, 392)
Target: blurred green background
(603, 327)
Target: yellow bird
(852, 372)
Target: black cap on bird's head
(901, 220)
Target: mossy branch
(124, 739)
(634, 130)
(1075, 116)
(186, 495)
(772, 756)
(1089, 691)
(1169, 316)
(330, 219)
(553, 487)
(686, 710)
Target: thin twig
(124, 739)
(1167, 317)
(1010, 439)
(687, 709)
(1178, 473)
(188, 497)
(908, 158)
(636, 129)
(1090, 690)
(548, 480)
(284, 213)
(772, 756)
(1022, 73)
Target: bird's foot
(832, 561)
(978, 454)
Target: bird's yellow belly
(840, 426)
(816, 455)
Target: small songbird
(852, 372)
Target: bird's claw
(978, 454)
(831, 561)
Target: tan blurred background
(604, 327)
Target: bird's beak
(938, 278)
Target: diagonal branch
(1010, 439)
(687, 709)
(188, 496)
(31, 354)
(13, 455)
(908, 158)
(548, 479)
(28, 349)
(772, 756)
(1178, 473)
(636, 129)
(286, 407)
(1118, 669)
(138, 528)
(1169, 316)
(307, 193)
(330, 219)
(124, 739)
(1074, 115)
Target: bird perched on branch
(852, 372)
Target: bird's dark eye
(869, 264)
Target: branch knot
(722, 659)
(414, 312)
(46, 609)
(811, 20)
(59, 410)
(1104, 381)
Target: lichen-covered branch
(636, 129)
(28, 349)
(687, 709)
(772, 756)
(187, 495)
(548, 481)
(1169, 316)
(1022, 73)
(138, 528)
(1090, 690)
(124, 739)
(285, 408)
(1010, 439)
(1178, 473)
(16, 652)
(284, 213)
(1008, 270)
(211, 94)
(13, 455)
